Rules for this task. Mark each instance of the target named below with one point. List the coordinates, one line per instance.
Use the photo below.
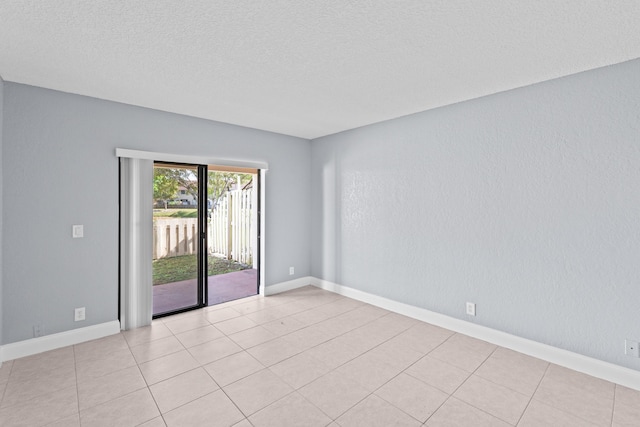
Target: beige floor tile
(334, 353)
(41, 411)
(369, 370)
(586, 397)
(334, 394)
(167, 366)
(199, 336)
(375, 412)
(360, 339)
(100, 348)
(256, 391)
(308, 337)
(94, 391)
(283, 326)
(70, 421)
(497, 400)
(384, 327)
(221, 315)
(626, 415)
(364, 314)
(253, 337)
(513, 370)
(392, 324)
(156, 422)
(211, 351)
(539, 414)
(233, 368)
(626, 410)
(111, 362)
(154, 349)
(292, 410)
(345, 359)
(313, 315)
(274, 351)
(48, 382)
(187, 323)
(40, 364)
(398, 357)
(438, 374)
(237, 324)
(128, 410)
(627, 396)
(181, 389)
(300, 370)
(153, 332)
(335, 327)
(5, 371)
(3, 386)
(253, 305)
(278, 311)
(592, 385)
(421, 337)
(455, 413)
(412, 396)
(464, 352)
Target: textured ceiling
(307, 68)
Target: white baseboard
(53, 341)
(288, 286)
(594, 367)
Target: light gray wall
(524, 202)
(60, 169)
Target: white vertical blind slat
(136, 242)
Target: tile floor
(302, 358)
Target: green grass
(175, 269)
(175, 213)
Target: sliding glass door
(179, 239)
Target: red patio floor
(222, 288)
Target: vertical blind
(136, 226)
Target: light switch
(78, 231)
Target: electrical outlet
(38, 330)
(291, 271)
(77, 231)
(471, 309)
(632, 348)
(79, 314)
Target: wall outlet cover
(77, 231)
(632, 348)
(471, 309)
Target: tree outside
(165, 185)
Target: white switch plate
(291, 271)
(471, 309)
(77, 231)
(632, 348)
(79, 314)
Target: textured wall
(524, 202)
(60, 169)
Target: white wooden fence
(231, 230)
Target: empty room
(331, 213)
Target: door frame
(262, 166)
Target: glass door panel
(177, 281)
(232, 233)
